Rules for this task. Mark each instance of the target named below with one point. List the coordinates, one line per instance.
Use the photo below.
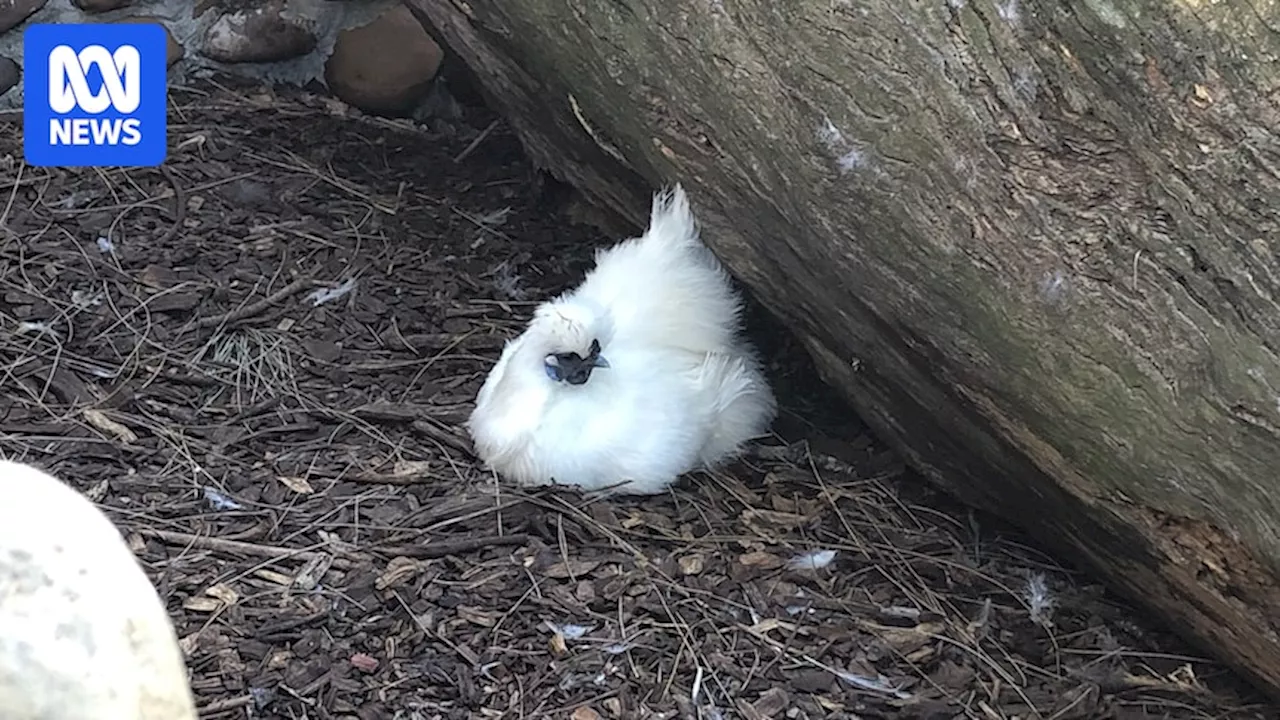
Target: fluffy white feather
(637, 376)
(83, 633)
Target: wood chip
(224, 593)
(364, 662)
(476, 616)
(98, 419)
(691, 564)
(199, 603)
(760, 559)
(573, 568)
(297, 484)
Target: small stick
(233, 546)
(476, 143)
(443, 436)
(451, 547)
(252, 309)
(179, 206)
(225, 704)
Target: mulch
(258, 360)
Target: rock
(385, 66)
(100, 6)
(14, 12)
(260, 35)
(174, 50)
(10, 73)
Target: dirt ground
(291, 467)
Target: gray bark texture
(1033, 244)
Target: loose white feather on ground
(637, 376)
(83, 633)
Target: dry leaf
(188, 644)
(829, 704)
(1202, 94)
(908, 639)
(769, 624)
(97, 492)
(571, 569)
(584, 713)
(297, 484)
(411, 468)
(399, 569)
(691, 564)
(279, 659)
(273, 576)
(309, 577)
(99, 420)
(558, 645)
(199, 603)
(760, 559)
(476, 616)
(922, 655)
(223, 592)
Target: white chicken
(635, 377)
(83, 633)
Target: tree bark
(1035, 246)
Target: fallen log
(1035, 247)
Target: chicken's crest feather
(568, 325)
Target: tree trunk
(1034, 246)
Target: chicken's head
(573, 368)
(571, 334)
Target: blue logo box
(95, 95)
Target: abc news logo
(95, 94)
(69, 89)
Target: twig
(179, 207)
(252, 309)
(452, 547)
(225, 704)
(443, 436)
(232, 546)
(476, 143)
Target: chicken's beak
(599, 361)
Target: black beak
(575, 369)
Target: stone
(10, 73)
(174, 51)
(14, 12)
(101, 6)
(384, 67)
(259, 35)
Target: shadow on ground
(257, 361)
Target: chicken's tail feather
(671, 220)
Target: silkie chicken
(635, 377)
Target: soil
(291, 468)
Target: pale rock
(385, 66)
(259, 35)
